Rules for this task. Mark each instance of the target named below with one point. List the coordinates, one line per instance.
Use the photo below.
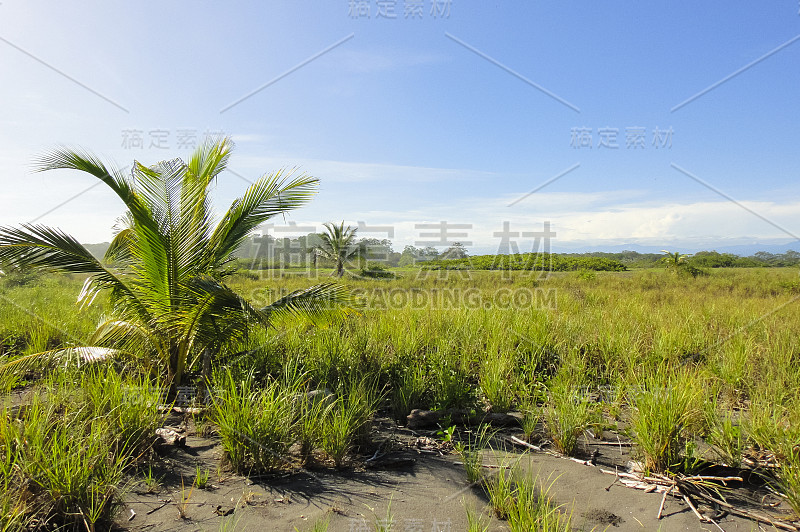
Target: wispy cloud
(354, 172)
(598, 219)
(384, 60)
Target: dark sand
(428, 495)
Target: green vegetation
(63, 460)
(524, 502)
(255, 423)
(337, 244)
(169, 307)
(528, 261)
(568, 412)
(664, 410)
(672, 359)
(471, 449)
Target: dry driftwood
(551, 453)
(170, 437)
(684, 487)
(689, 487)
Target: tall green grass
(63, 459)
(665, 409)
(737, 328)
(256, 423)
(524, 502)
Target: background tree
(337, 244)
(165, 268)
(674, 260)
(456, 251)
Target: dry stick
(552, 453)
(526, 444)
(651, 480)
(715, 524)
(661, 507)
(615, 481)
(159, 507)
(689, 502)
(750, 515)
(719, 479)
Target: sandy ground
(429, 494)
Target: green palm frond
(70, 159)
(210, 159)
(164, 268)
(64, 356)
(316, 302)
(271, 195)
(119, 250)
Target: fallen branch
(164, 503)
(661, 507)
(551, 453)
(689, 502)
(777, 523)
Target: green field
(671, 360)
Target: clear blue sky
(421, 119)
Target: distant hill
(743, 250)
(98, 250)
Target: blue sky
(434, 117)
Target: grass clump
(256, 424)
(346, 422)
(475, 521)
(568, 412)
(471, 451)
(525, 503)
(663, 413)
(311, 415)
(64, 458)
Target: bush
(374, 270)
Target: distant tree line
(266, 251)
(703, 259)
(529, 261)
(258, 252)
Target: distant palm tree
(337, 244)
(165, 268)
(674, 260)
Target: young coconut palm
(336, 244)
(674, 260)
(165, 268)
